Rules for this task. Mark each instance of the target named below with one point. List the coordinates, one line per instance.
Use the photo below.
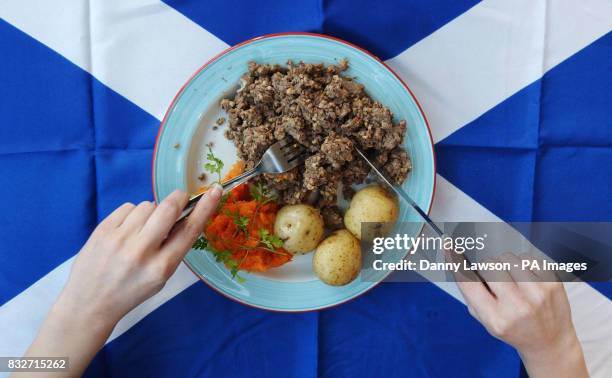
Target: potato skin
(300, 227)
(371, 204)
(337, 260)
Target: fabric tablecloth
(518, 97)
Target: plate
(188, 127)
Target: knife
(400, 192)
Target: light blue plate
(187, 128)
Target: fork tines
(291, 149)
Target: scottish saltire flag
(518, 97)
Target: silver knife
(400, 192)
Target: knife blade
(402, 193)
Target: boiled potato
(371, 204)
(300, 227)
(337, 260)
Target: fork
(280, 157)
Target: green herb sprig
(241, 222)
(224, 257)
(201, 243)
(269, 240)
(261, 193)
(214, 165)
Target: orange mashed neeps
(242, 229)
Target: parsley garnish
(233, 268)
(261, 194)
(240, 221)
(270, 240)
(224, 198)
(200, 243)
(224, 257)
(214, 165)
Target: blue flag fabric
(72, 150)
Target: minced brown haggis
(325, 112)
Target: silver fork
(280, 157)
